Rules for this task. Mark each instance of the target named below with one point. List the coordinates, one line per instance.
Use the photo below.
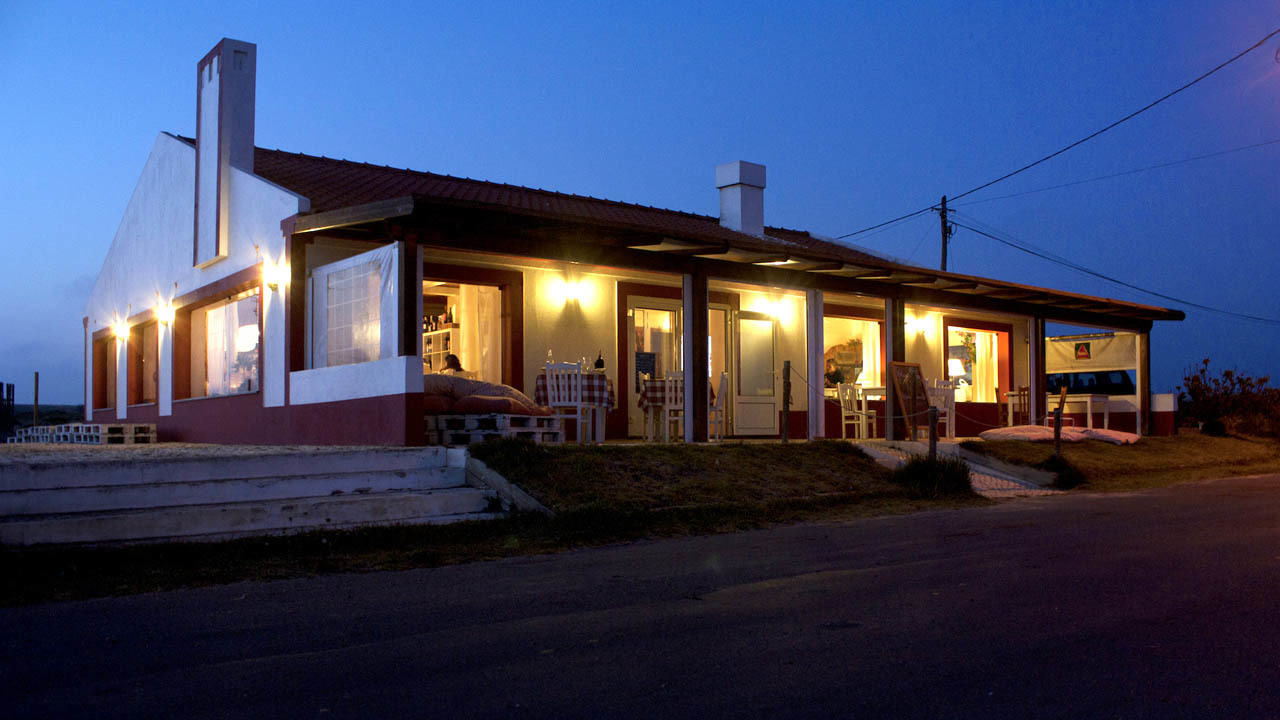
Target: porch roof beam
(476, 229)
(355, 215)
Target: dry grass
(1152, 462)
(600, 494)
(653, 477)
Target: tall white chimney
(741, 196)
(225, 93)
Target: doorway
(654, 345)
(755, 405)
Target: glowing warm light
(165, 313)
(955, 367)
(275, 275)
(561, 291)
(915, 325)
(120, 329)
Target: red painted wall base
(241, 419)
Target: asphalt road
(1158, 604)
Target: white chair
(717, 409)
(942, 395)
(672, 411)
(564, 395)
(851, 410)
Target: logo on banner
(1082, 351)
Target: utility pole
(946, 231)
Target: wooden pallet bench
(89, 434)
(470, 429)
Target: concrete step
(104, 469)
(177, 490)
(259, 517)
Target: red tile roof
(332, 184)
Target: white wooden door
(755, 401)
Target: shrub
(1068, 475)
(925, 478)
(1231, 402)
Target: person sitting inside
(451, 365)
(833, 375)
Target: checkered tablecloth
(597, 389)
(653, 393)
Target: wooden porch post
(1144, 383)
(1038, 381)
(895, 350)
(695, 299)
(816, 368)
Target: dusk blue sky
(861, 112)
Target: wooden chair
(1017, 401)
(564, 395)
(851, 410)
(942, 395)
(672, 411)
(717, 409)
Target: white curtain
(985, 367)
(216, 376)
(480, 331)
(871, 354)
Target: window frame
(389, 325)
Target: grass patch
(601, 494)
(1152, 462)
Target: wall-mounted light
(562, 291)
(120, 329)
(274, 274)
(163, 311)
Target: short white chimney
(741, 196)
(225, 93)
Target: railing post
(1057, 431)
(933, 434)
(786, 399)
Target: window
(354, 312)
(146, 351)
(852, 352)
(104, 373)
(225, 335)
(977, 371)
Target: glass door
(655, 347)
(756, 397)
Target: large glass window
(225, 336)
(465, 321)
(352, 323)
(658, 332)
(852, 352)
(353, 309)
(973, 362)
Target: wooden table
(1088, 399)
(597, 391)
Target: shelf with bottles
(436, 344)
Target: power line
(1130, 116)
(1030, 249)
(1081, 141)
(1122, 174)
(886, 222)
